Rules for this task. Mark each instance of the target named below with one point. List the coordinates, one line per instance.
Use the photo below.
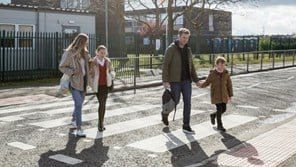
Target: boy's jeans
(78, 97)
(183, 87)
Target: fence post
(247, 63)
(293, 57)
(261, 63)
(57, 52)
(3, 54)
(272, 53)
(136, 61)
(284, 58)
(231, 63)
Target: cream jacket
(95, 74)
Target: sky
(262, 17)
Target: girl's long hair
(78, 45)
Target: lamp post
(106, 21)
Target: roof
(17, 6)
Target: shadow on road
(194, 154)
(243, 149)
(180, 153)
(96, 155)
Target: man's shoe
(73, 123)
(213, 119)
(221, 129)
(187, 129)
(165, 119)
(79, 133)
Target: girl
(102, 74)
(74, 63)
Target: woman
(75, 64)
(102, 74)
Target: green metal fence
(25, 56)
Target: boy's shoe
(187, 129)
(79, 133)
(213, 118)
(73, 123)
(165, 118)
(221, 129)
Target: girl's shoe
(101, 129)
(79, 133)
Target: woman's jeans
(185, 88)
(78, 97)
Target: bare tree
(172, 9)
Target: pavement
(35, 127)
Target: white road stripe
(53, 111)
(65, 159)
(36, 107)
(268, 149)
(134, 124)
(93, 116)
(250, 107)
(168, 141)
(199, 95)
(21, 145)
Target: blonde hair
(102, 47)
(183, 31)
(221, 60)
(79, 43)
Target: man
(178, 73)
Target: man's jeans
(78, 97)
(185, 88)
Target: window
(75, 4)
(71, 29)
(179, 21)
(211, 22)
(7, 35)
(16, 35)
(25, 38)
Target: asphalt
(261, 127)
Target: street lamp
(106, 21)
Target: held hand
(199, 84)
(166, 85)
(229, 99)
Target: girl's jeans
(78, 97)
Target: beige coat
(95, 74)
(221, 86)
(70, 61)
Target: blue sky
(262, 17)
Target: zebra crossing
(132, 114)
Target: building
(204, 24)
(110, 34)
(44, 19)
(38, 35)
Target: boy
(221, 90)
